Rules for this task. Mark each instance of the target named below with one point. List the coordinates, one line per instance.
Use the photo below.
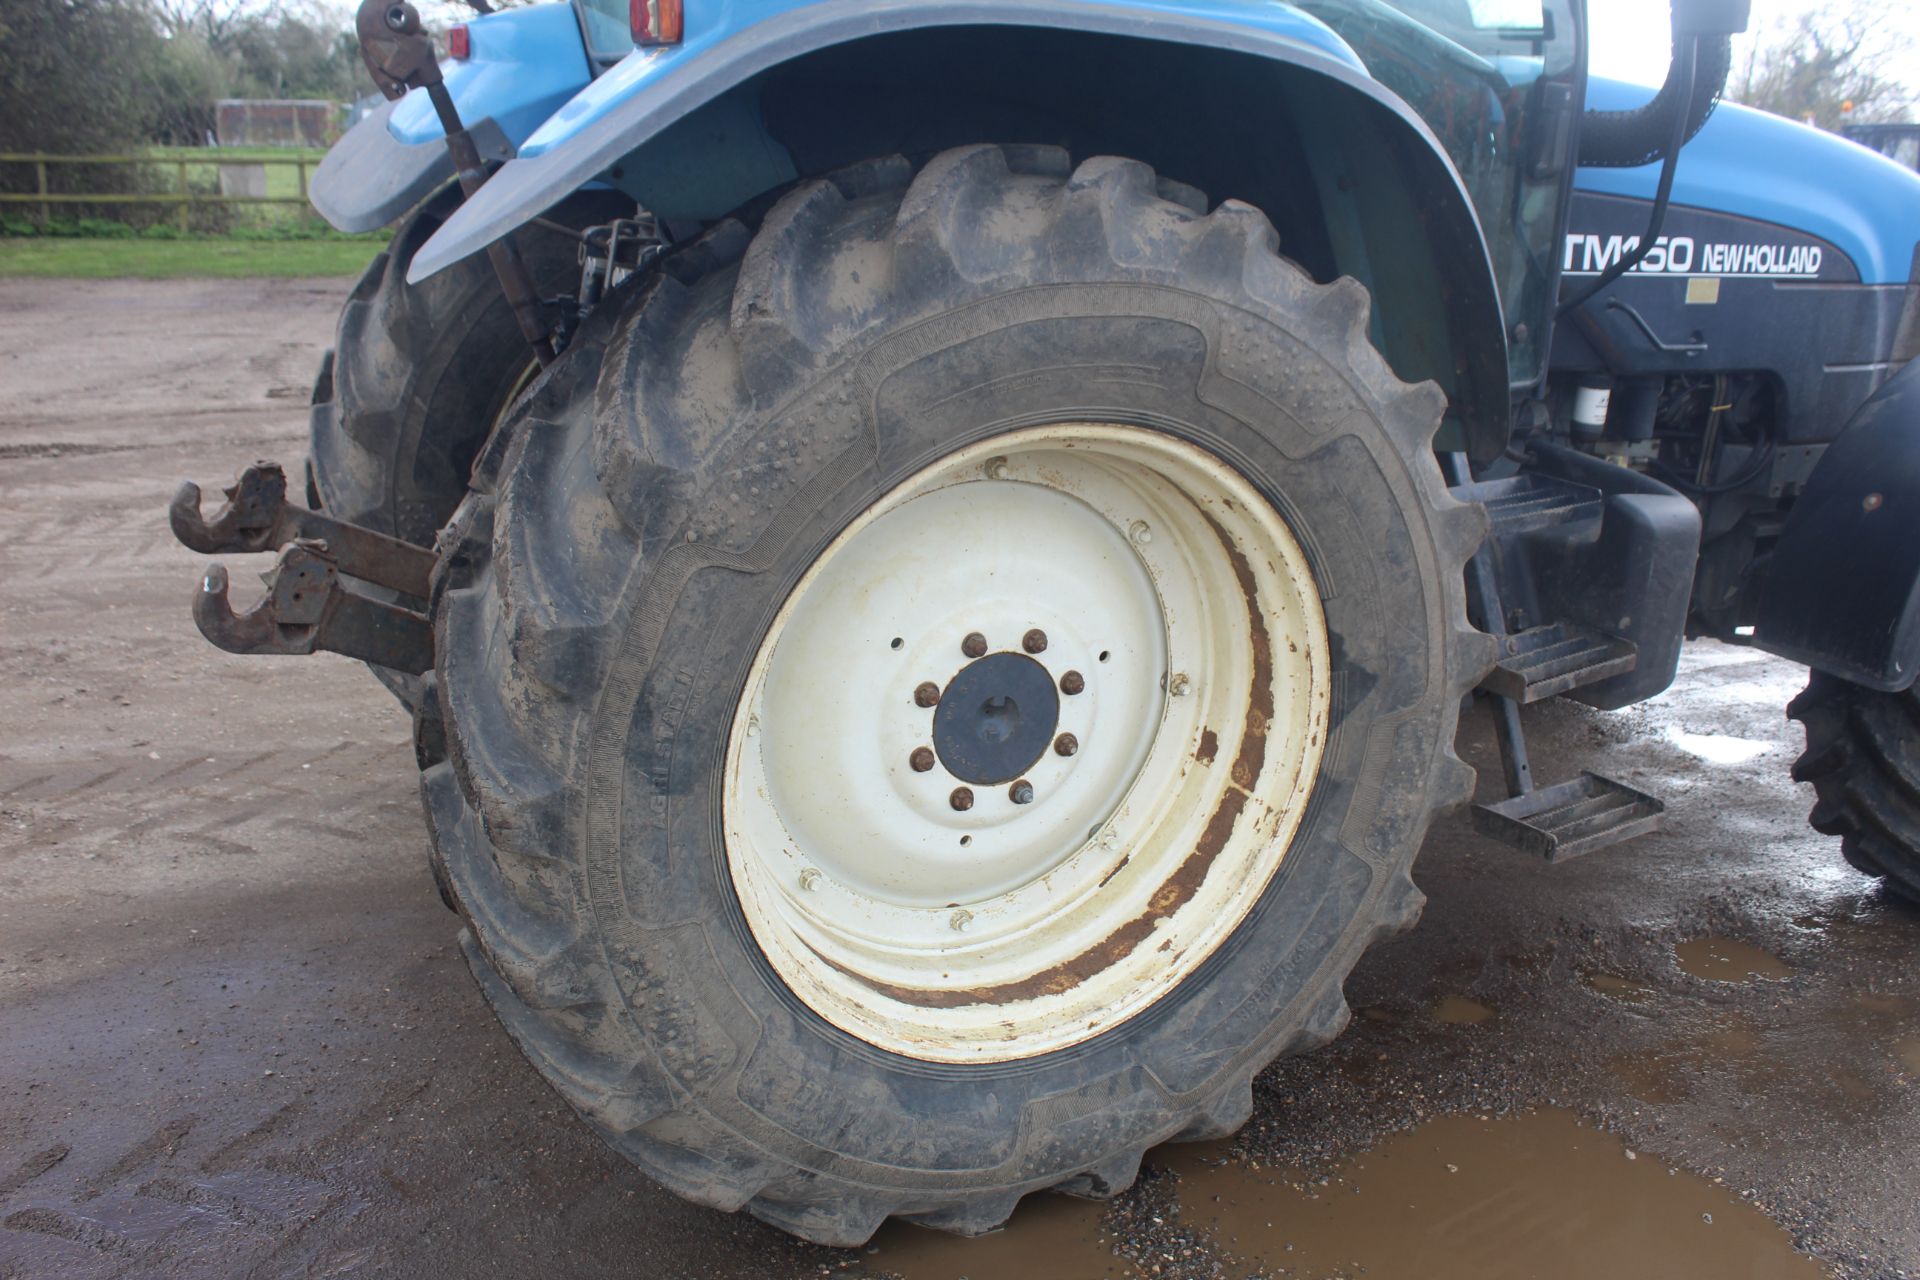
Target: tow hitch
(308, 606)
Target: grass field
(109, 259)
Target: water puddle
(1615, 987)
(1720, 959)
(1908, 1052)
(1460, 1011)
(1534, 1195)
(1716, 748)
(1050, 1237)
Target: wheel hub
(995, 719)
(1026, 742)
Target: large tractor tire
(419, 374)
(942, 690)
(1863, 759)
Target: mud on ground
(236, 1038)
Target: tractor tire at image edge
(1863, 759)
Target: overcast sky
(1630, 40)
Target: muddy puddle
(1460, 1198)
(1716, 748)
(1534, 1195)
(1615, 987)
(1459, 1011)
(1773, 1058)
(1728, 960)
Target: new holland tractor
(936, 548)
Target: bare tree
(215, 21)
(1835, 65)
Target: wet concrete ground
(236, 1038)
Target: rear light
(656, 21)
(459, 43)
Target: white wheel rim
(1006, 930)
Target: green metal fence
(182, 198)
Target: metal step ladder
(1590, 812)
(1543, 661)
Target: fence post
(303, 179)
(46, 206)
(185, 225)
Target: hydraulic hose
(1629, 139)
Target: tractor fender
(1842, 592)
(371, 178)
(1421, 213)
(524, 64)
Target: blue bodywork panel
(1764, 167)
(1384, 199)
(1356, 164)
(730, 41)
(707, 25)
(525, 65)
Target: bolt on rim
(1130, 674)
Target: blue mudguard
(727, 43)
(525, 64)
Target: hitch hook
(308, 608)
(258, 517)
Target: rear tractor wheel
(944, 689)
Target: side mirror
(1710, 17)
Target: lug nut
(975, 645)
(1065, 745)
(1072, 682)
(1021, 792)
(961, 799)
(1035, 641)
(921, 759)
(959, 920)
(926, 694)
(1179, 686)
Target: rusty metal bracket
(258, 517)
(308, 608)
(399, 56)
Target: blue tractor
(936, 548)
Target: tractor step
(1531, 500)
(1544, 661)
(1570, 818)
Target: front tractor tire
(420, 373)
(942, 690)
(1863, 759)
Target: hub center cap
(995, 718)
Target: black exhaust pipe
(1629, 139)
